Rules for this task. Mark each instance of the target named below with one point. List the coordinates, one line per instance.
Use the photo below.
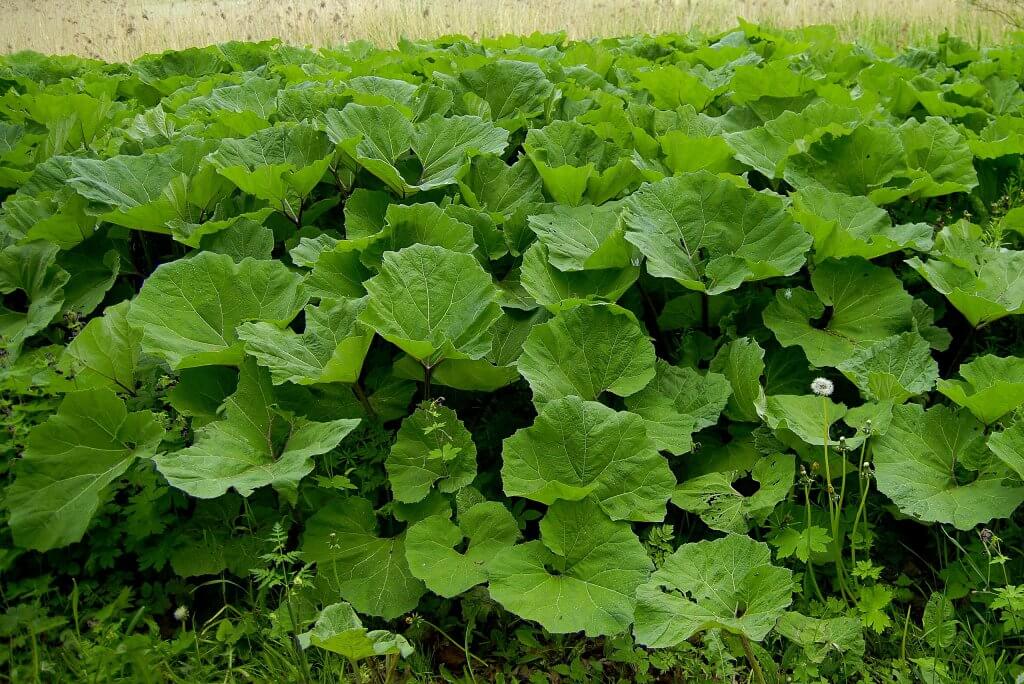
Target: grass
(124, 29)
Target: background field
(122, 29)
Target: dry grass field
(123, 29)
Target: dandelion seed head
(822, 387)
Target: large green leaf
(431, 547)
(93, 267)
(373, 137)
(578, 448)
(106, 352)
(574, 162)
(766, 148)
(134, 185)
(708, 234)
(714, 498)
(586, 351)
(176, 191)
(189, 310)
(934, 466)
(728, 583)
(845, 226)
(253, 446)
(30, 269)
(896, 368)
(742, 363)
(555, 289)
(57, 216)
(70, 461)
(357, 565)
(940, 162)
(377, 138)
(280, 165)
(804, 416)
(490, 184)
(200, 392)
(433, 447)
(1008, 446)
(579, 238)
(330, 349)
(983, 289)
(854, 304)
(444, 144)
(672, 86)
(854, 164)
(433, 303)
(512, 91)
(339, 630)
(821, 637)
(581, 575)
(677, 403)
(416, 224)
(992, 386)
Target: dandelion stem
(807, 531)
(862, 477)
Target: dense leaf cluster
(581, 289)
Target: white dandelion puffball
(180, 613)
(822, 387)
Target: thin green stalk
(828, 470)
(35, 655)
(903, 641)
(833, 513)
(447, 636)
(861, 479)
(810, 563)
(392, 665)
(1006, 577)
(357, 387)
(842, 485)
(356, 671)
(290, 214)
(74, 609)
(754, 665)
(465, 647)
(428, 372)
(300, 656)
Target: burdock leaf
(578, 448)
(433, 304)
(707, 234)
(70, 460)
(728, 583)
(189, 310)
(581, 575)
(430, 547)
(854, 304)
(586, 351)
(934, 466)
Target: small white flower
(787, 293)
(181, 613)
(822, 387)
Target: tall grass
(123, 29)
